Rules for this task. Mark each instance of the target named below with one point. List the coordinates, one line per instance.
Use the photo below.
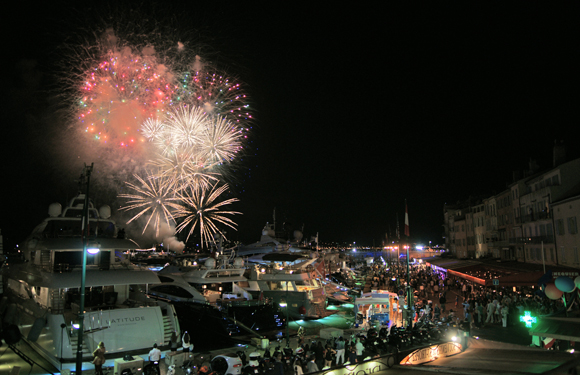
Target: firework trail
(201, 208)
(151, 197)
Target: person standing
(279, 365)
(504, 315)
(99, 358)
(359, 347)
(442, 302)
(498, 308)
(479, 314)
(437, 312)
(490, 311)
(340, 351)
(173, 342)
(154, 358)
(352, 355)
(186, 342)
(319, 353)
(311, 366)
(328, 356)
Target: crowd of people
(440, 296)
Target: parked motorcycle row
(375, 342)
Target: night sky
(356, 108)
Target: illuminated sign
(528, 319)
(431, 353)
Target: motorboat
(42, 295)
(290, 280)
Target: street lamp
(284, 303)
(85, 234)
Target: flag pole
(409, 291)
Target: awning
(557, 328)
(382, 298)
(451, 263)
(455, 266)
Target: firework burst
(221, 142)
(208, 88)
(182, 130)
(201, 208)
(181, 170)
(138, 90)
(120, 93)
(151, 197)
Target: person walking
(154, 358)
(99, 358)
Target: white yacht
(223, 287)
(269, 242)
(42, 294)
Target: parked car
(227, 364)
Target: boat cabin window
(165, 279)
(216, 287)
(73, 228)
(94, 296)
(72, 259)
(78, 212)
(172, 290)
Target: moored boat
(42, 294)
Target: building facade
(566, 215)
(534, 220)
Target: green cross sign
(528, 319)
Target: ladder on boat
(57, 297)
(74, 342)
(167, 330)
